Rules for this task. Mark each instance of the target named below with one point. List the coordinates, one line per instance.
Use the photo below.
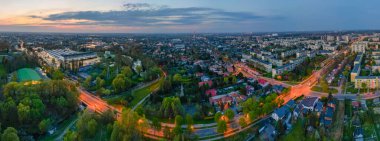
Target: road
(303, 88)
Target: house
(203, 83)
(221, 99)
(280, 113)
(211, 92)
(309, 103)
(251, 80)
(250, 90)
(328, 116)
(199, 74)
(356, 104)
(331, 104)
(263, 83)
(205, 78)
(291, 104)
(318, 107)
(277, 88)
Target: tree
(156, 124)
(221, 126)
(99, 83)
(70, 136)
(127, 71)
(92, 127)
(234, 79)
(364, 86)
(330, 97)
(226, 80)
(242, 122)
(190, 122)
(217, 116)
(57, 75)
(178, 123)
(230, 114)
(119, 83)
(171, 106)
(86, 125)
(87, 82)
(10, 134)
(138, 69)
(44, 125)
(128, 127)
(177, 78)
(167, 133)
(23, 112)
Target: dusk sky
(173, 16)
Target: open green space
(319, 89)
(139, 94)
(28, 74)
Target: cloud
(143, 14)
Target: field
(319, 89)
(139, 94)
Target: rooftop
(28, 74)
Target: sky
(187, 16)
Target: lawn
(319, 89)
(139, 94)
(292, 82)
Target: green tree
(23, 112)
(86, 125)
(87, 82)
(178, 123)
(70, 136)
(221, 126)
(57, 75)
(127, 71)
(177, 78)
(242, 121)
(99, 82)
(364, 86)
(44, 125)
(127, 128)
(234, 79)
(10, 134)
(230, 114)
(119, 83)
(168, 133)
(217, 116)
(190, 122)
(156, 124)
(226, 80)
(171, 106)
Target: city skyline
(120, 16)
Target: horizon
(149, 16)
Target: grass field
(139, 94)
(319, 89)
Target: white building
(359, 46)
(68, 59)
